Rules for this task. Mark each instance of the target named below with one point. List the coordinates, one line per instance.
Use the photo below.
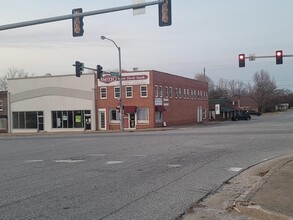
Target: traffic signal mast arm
(87, 68)
(83, 14)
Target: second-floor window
(143, 91)
(103, 92)
(1, 106)
(156, 91)
(128, 91)
(116, 92)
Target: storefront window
(143, 115)
(23, 120)
(69, 119)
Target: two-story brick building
(3, 112)
(151, 99)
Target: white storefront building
(52, 103)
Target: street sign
(251, 57)
(138, 11)
(114, 74)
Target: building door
(199, 114)
(102, 120)
(131, 117)
(40, 121)
(87, 121)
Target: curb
(243, 204)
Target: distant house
(3, 112)
(222, 109)
(245, 103)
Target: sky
(204, 34)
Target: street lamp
(120, 81)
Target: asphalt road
(131, 175)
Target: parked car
(242, 116)
(252, 112)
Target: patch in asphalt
(97, 155)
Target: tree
(12, 73)
(263, 90)
(236, 88)
(203, 77)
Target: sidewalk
(263, 192)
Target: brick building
(151, 99)
(3, 112)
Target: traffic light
(279, 57)
(165, 15)
(241, 59)
(78, 68)
(99, 71)
(77, 23)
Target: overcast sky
(205, 34)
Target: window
(23, 120)
(69, 119)
(156, 91)
(184, 93)
(143, 91)
(116, 92)
(203, 113)
(103, 92)
(114, 116)
(180, 93)
(166, 92)
(194, 94)
(1, 106)
(161, 91)
(187, 93)
(3, 123)
(191, 91)
(143, 115)
(170, 92)
(128, 91)
(176, 93)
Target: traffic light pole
(83, 14)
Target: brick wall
(182, 110)
(178, 110)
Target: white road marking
(114, 162)
(234, 169)
(33, 161)
(174, 165)
(68, 161)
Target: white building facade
(52, 103)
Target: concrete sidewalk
(264, 192)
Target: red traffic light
(241, 59)
(279, 57)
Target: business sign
(136, 78)
(217, 109)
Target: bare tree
(236, 88)
(11, 74)
(203, 77)
(263, 90)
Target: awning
(129, 109)
(160, 108)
